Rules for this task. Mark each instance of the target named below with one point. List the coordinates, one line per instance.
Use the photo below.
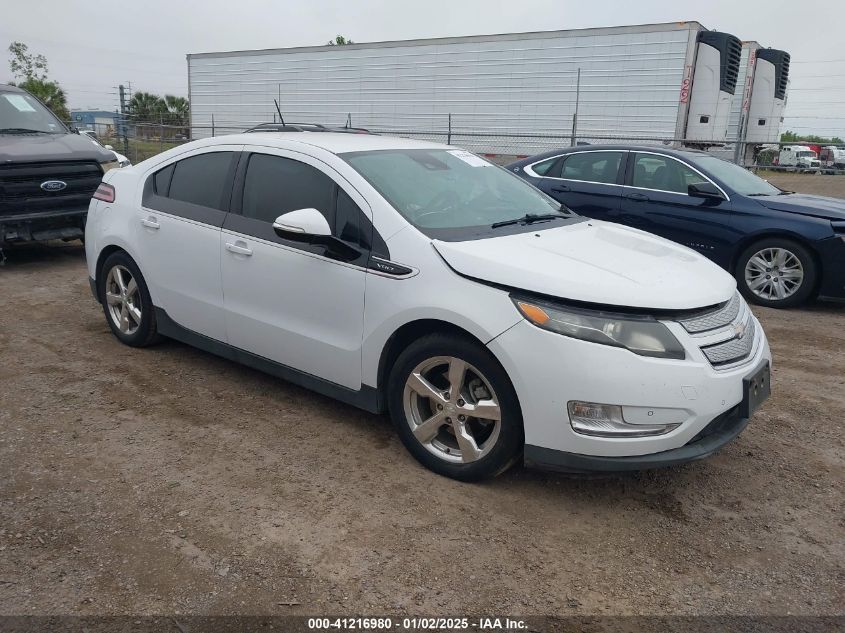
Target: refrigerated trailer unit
(758, 104)
(655, 81)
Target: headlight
(642, 335)
(112, 164)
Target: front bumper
(43, 225)
(832, 258)
(715, 435)
(548, 370)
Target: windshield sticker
(21, 104)
(469, 158)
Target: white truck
(514, 93)
(798, 158)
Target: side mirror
(109, 147)
(706, 190)
(303, 225)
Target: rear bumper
(714, 436)
(44, 225)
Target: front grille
(731, 325)
(720, 317)
(21, 192)
(733, 350)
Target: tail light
(105, 192)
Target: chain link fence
(792, 166)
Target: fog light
(605, 420)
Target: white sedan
(494, 325)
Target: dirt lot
(818, 184)
(167, 480)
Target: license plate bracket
(756, 390)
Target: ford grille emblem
(53, 185)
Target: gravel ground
(167, 480)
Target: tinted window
(542, 169)
(162, 179)
(592, 167)
(276, 185)
(350, 221)
(664, 174)
(201, 179)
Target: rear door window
(195, 188)
(601, 167)
(201, 180)
(662, 173)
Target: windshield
(451, 192)
(21, 113)
(737, 178)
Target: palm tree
(50, 93)
(177, 110)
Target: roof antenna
(279, 110)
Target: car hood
(49, 147)
(594, 262)
(806, 204)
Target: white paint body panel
(333, 321)
(580, 262)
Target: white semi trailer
(656, 81)
(760, 98)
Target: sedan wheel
(774, 274)
(123, 300)
(126, 301)
(455, 408)
(452, 409)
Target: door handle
(638, 197)
(151, 223)
(561, 188)
(238, 250)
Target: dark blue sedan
(782, 247)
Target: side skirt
(366, 398)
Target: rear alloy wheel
(126, 301)
(454, 408)
(778, 273)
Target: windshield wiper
(528, 218)
(20, 130)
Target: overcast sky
(93, 46)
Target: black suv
(48, 173)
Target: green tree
(50, 94)
(26, 65)
(340, 40)
(146, 107)
(177, 110)
(792, 137)
(32, 70)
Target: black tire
(805, 290)
(501, 453)
(145, 333)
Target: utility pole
(575, 115)
(123, 113)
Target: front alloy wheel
(776, 272)
(454, 407)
